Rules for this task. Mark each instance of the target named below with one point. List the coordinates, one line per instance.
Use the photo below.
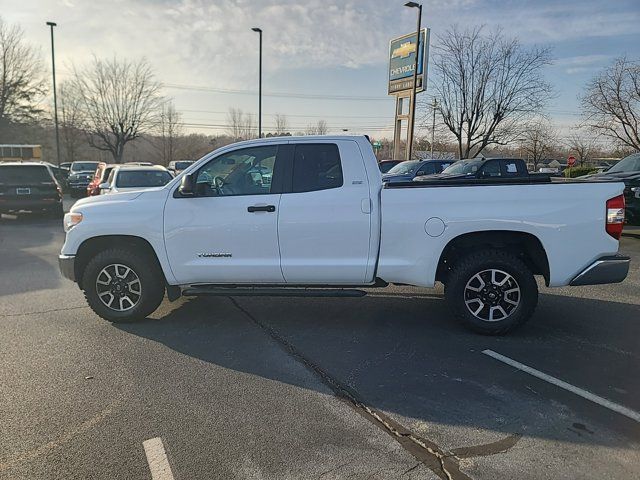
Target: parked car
(407, 171)
(483, 168)
(626, 170)
(176, 167)
(386, 165)
(80, 175)
(102, 174)
(325, 220)
(125, 178)
(29, 186)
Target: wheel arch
(526, 245)
(91, 246)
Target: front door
(228, 231)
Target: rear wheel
(122, 285)
(491, 291)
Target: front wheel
(491, 291)
(122, 285)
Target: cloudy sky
(316, 52)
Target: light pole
(415, 78)
(259, 30)
(433, 124)
(55, 97)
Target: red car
(101, 175)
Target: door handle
(261, 208)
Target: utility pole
(256, 29)
(55, 97)
(434, 105)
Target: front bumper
(67, 264)
(610, 269)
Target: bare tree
(120, 99)
(22, 83)
(282, 124)
(70, 110)
(538, 141)
(611, 104)
(169, 130)
(488, 85)
(240, 125)
(319, 128)
(582, 145)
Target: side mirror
(104, 186)
(187, 185)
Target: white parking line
(627, 412)
(157, 459)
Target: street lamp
(259, 30)
(55, 97)
(415, 77)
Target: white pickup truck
(310, 216)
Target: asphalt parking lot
(384, 386)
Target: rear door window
(491, 169)
(316, 167)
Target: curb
(631, 234)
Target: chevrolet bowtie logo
(404, 50)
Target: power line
(276, 94)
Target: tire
(491, 292)
(145, 296)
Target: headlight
(71, 219)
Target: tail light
(615, 216)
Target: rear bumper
(610, 269)
(67, 265)
(14, 205)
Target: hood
(396, 177)
(613, 176)
(443, 176)
(112, 197)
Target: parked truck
(310, 216)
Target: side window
(511, 168)
(426, 169)
(316, 167)
(248, 171)
(443, 166)
(491, 169)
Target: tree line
(490, 90)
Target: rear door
(324, 219)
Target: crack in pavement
(6, 315)
(493, 448)
(443, 464)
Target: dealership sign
(402, 57)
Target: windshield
(404, 167)
(463, 167)
(627, 164)
(142, 178)
(182, 165)
(84, 166)
(24, 174)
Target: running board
(272, 292)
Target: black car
(482, 168)
(80, 175)
(626, 170)
(407, 171)
(29, 186)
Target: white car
(310, 216)
(127, 178)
